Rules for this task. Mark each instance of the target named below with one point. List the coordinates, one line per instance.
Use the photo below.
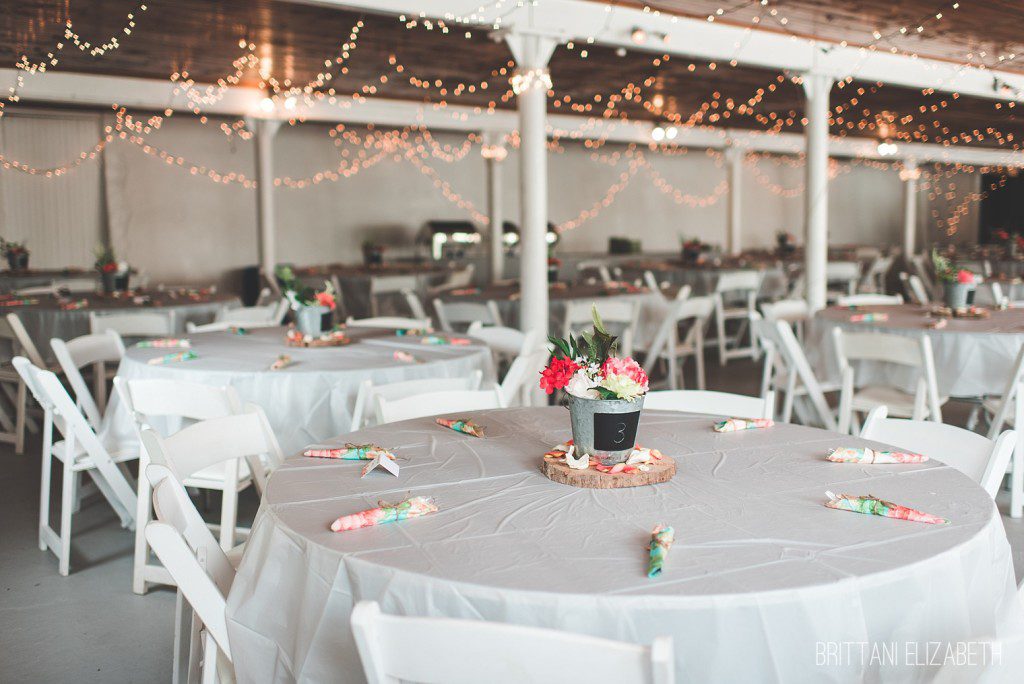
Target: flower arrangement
(1001, 235)
(106, 261)
(693, 249)
(16, 253)
(785, 241)
(947, 272)
(299, 295)
(586, 367)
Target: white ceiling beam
(150, 94)
(580, 20)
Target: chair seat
(735, 312)
(82, 461)
(212, 477)
(992, 405)
(900, 403)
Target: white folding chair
(1008, 409)
(417, 649)
(436, 403)
(451, 314)
(462, 277)
(390, 286)
(899, 350)
(203, 575)
(798, 380)
(261, 316)
(982, 459)
(795, 312)
(416, 307)
(391, 322)
(875, 275)
(735, 298)
(515, 387)
(134, 323)
(150, 400)
(585, 271)
(666, 344)
(653, 285)
(712, 403)
(75, 284)
(366, 395)
(79, 452)
(870, 300)
(914, 288)
(210, 453)
(621, 317)
(95, 350)
(845, 274)
(502, 340)
(31, 290)
(920, 263)
(12, 386)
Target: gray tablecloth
(761, 576)
(308, 401)
(973, 357)
(47, 319)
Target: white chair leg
(720, 326)
(228, 515)
(44, 486)
(143, 511)
(182, 639)
(66, 506)
(209, 659)
(1017, 479)
(21, 410)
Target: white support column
(531, 83)
(909, 174)
(494, 153)
(734, 157)
(265, 131)
(817, 87)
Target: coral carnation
(627, 367)
(557, 374)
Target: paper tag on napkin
(382, 461)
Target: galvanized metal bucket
(957, 294)
(605, 428)
(309, 319)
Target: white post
(734, 158)
(817, 87)
(531, 83)
(494, 152)
(265, 130)
(909, 174)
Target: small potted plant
(957, 284)
(308, 303)
(693, 250)
(785, 242)
(373, 254)
(114, 274)
(16, 254)
(605, 392)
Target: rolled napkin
(438, 340)
(462, 292)
(866, 455)
(404, 356)
(174, 358)
(19, 302)
(737, 424)
(662, 537)
(282, 361)
(938, 324)
(74, 305)
(466, 427)
(164, 342)
(349, 452)
(402, 332)
(869, 317)
(235, 330)
(410, 508)
(870, 505)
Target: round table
(973, 356)
(762, 576)
(313, 398)
(46, 318)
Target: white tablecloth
(973, 357)
(761, 576)
(305, 402)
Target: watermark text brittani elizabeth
(906, 653)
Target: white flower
(623, 386)
(580, 385)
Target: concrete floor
(90, 627)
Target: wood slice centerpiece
(659, 471)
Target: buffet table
(761, 577)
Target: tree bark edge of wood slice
(558, 471)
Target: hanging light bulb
(267, 105)
(658, 134)
(671, 132)
(887, 149)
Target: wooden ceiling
(292, 42)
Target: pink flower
(965, 277)
(628, 368)
(325, 299)
(557, 374)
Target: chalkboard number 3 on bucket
(615, 431)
